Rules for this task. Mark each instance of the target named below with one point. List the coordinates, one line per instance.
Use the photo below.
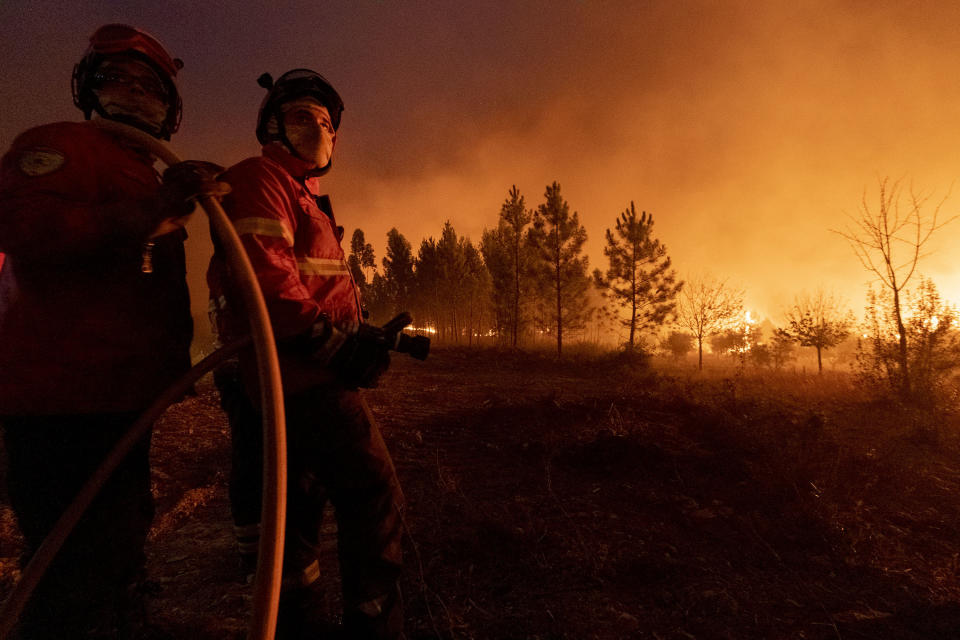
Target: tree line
(528, 281)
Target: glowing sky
(747, 128)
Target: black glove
(363, 358)
(184, 181)
(358, 354)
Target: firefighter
(335, 451)
(94, 323)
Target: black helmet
(114, 39)
(294, 84)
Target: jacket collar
(299, 169)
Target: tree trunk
(633, 297)
(559, 302)
(819, 362)
(559, 322)
(902, 331)
(516, 291)
(700, 353)
(470, 324)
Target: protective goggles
(151, 85)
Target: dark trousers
(335, 453)
(246, 475)
(88, 586)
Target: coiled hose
(266, 593)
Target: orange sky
(746, 128)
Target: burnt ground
(595, 499)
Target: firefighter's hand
(357, 354)
(182, 184)
(169, 225)
(363, 358)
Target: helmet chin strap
(281, 136)
(133, 121)
(319, 171)
(283, 139)
(157, 131)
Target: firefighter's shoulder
(259, 180)
(48, 148)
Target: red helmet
(115, 39)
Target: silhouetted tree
(933, 339)
(360, 259)
(497, 258)
(760, 355)
(398, 277)
(708, 306)
(731, 341)
(639, 277)
(558, 238)
(888, 241)
(451, 261)
(452, 284)
(427, 277)
(781, 348)
(820, 321)
(476, 288)
(514, 218)
(677, 343)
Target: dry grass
(602, 497)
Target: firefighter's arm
(182, 184)
(262, 212)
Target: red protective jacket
(83, 329)
(295, 250)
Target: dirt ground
(597, 499)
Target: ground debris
(561, 502)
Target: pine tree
(558, 239)
(640, 277)
(497, 258)
(514, 218)
(398, 273)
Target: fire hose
(266, 588)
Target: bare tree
(820, 320)
(889, 239)
(708, 306)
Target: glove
(358, 354)
(184, 181)
(363, 358)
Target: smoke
(748, 129)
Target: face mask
(130, 90)
(308, 128)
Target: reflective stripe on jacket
(293, 245)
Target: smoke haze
(748, 129)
